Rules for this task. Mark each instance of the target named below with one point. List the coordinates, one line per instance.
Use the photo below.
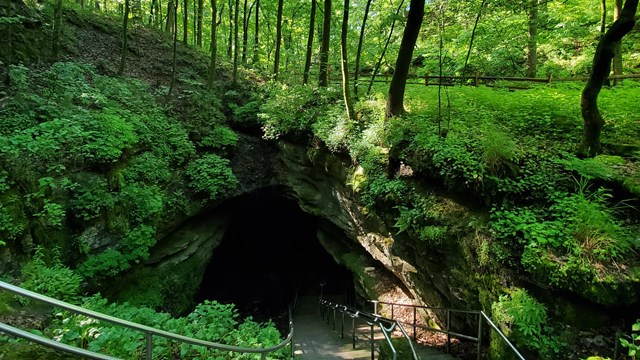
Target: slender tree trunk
(245, 33)
(152, 14)
(170, 27)
(199, 25)
(236, 50)
(603, 16)
(230, 42)
(532, 41)
(384, 49)
(256, 58)
(307, 61)
(473, 35)
(395, 98)
(276, 61)
(593, 121)
(214, 45)
(346, 89)
(125, 25)
(356, 73)
(175, 47)
(617, 51)
(324, 49)
(57, 28)
(185, 22)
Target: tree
(395, 97)
(57, 28)
(171, 19)
(235, 42)
(230, 39)
(617, 51)
(307, 61)
(276, 62)
(255, 35)
(324, 49)
(343, 59)
(593, 122)
(199, 21)
(473, 35)
(384, 49)
(214, 45)
(175, 47)
(125, 24)
(359, 51)
(185, 22)
(532, 40)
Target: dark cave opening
(269, 252)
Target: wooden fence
(428, 80)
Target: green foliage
(523, 315)
(220, 138)
(211, 175)
(293, 110)
(134, 247)
(632, 342)
(51, 278)
(209, 321)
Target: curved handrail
(371, 319)
(481, 316)
(148, 331)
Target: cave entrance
(269, 252)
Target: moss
(22, 350)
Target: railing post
(148, 352)
(353, 331)
(263, 356)
(342, 327)
(448, 330)
(415, 336)
(392, 312)
(375, 307)
(334, 318)
(479, 335)
(372, 343)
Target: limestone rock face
(320, 187)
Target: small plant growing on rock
(632, 342)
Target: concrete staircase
(315, 339)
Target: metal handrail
(371, 320)
(149, 332)
(481, 316)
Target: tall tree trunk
(214, 45)
(125, 25)
(593, 122)
(256, 58)
(384, 49)
(473, 35)
(307, 61)
(152, 14)
(356, 74)
(617, 51)
(276, 61)
(57, 28)
(395, 98)
(185, 22)
(230, 42)
(324, 48)
(170, 27)
(532, 41)
(603, 16)
(235, 42)
(346, 89)
(175, 47)
(199, 24)
(245, 32)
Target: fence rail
(429, 80)
(482, 318)
(148, 332)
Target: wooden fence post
(476, 81)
